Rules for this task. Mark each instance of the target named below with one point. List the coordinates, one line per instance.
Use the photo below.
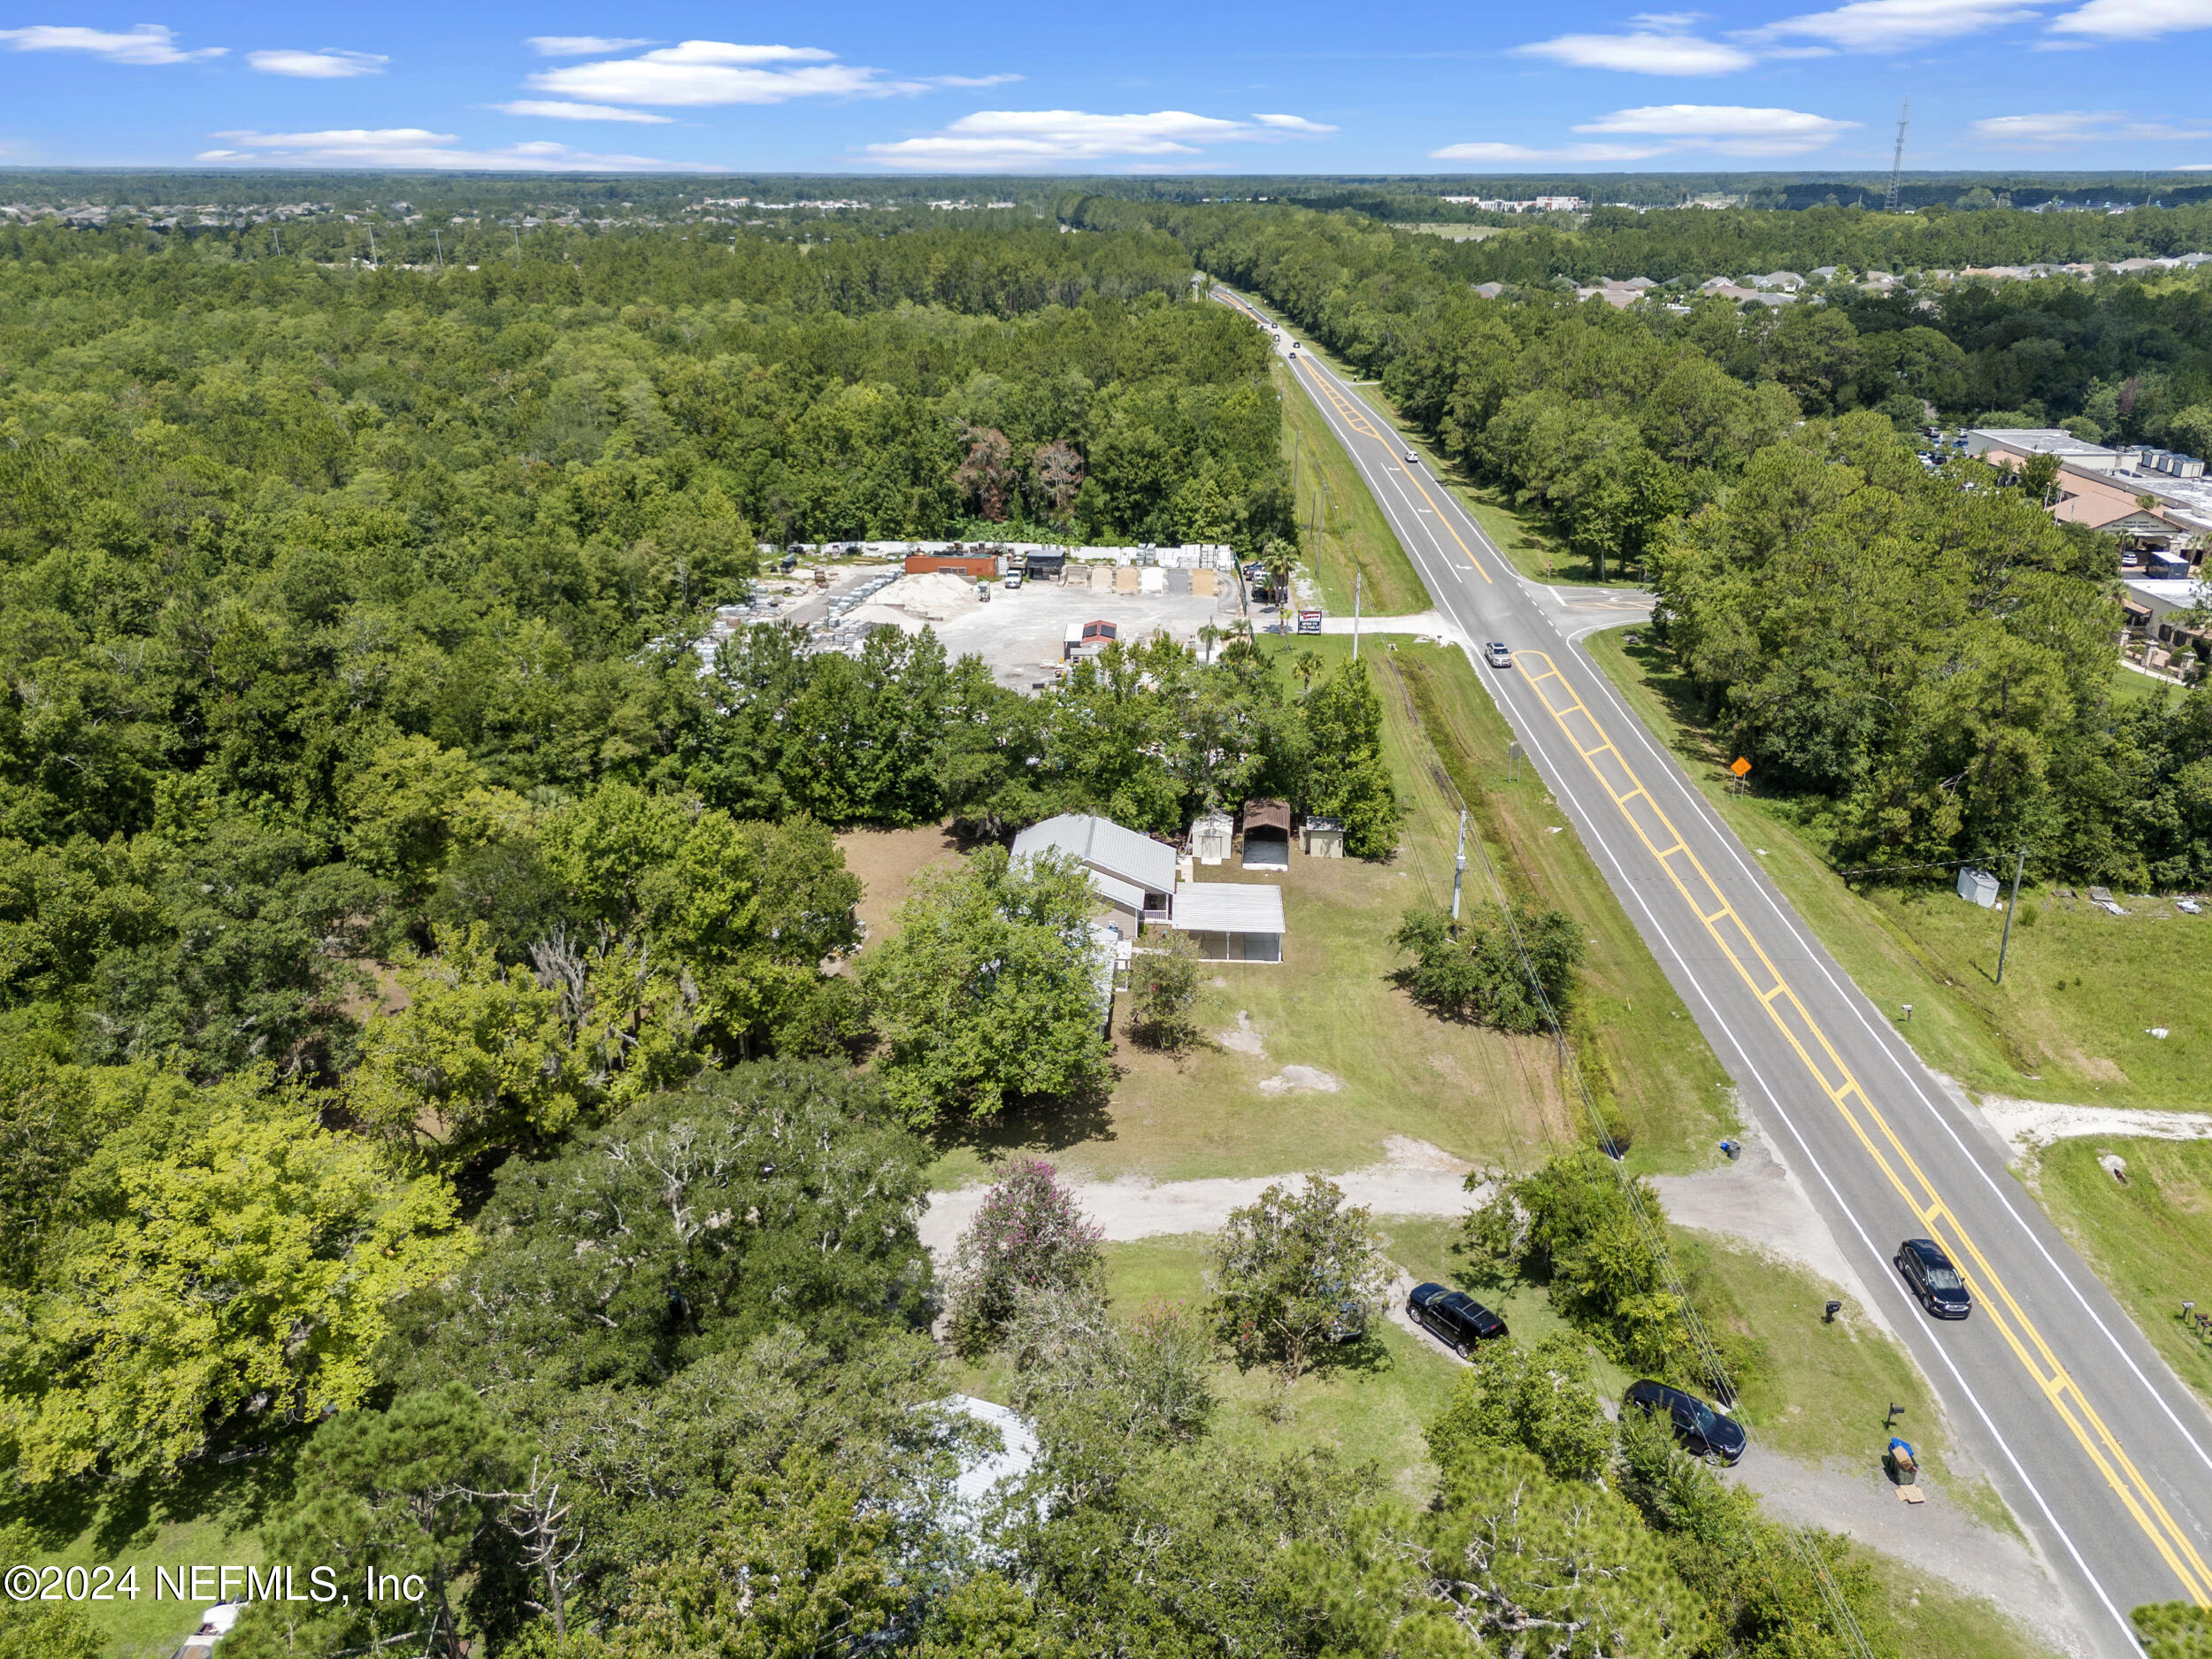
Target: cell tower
(1897, 162)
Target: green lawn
(1933, 1617)
(1371, 1406)
(1331, 1004)
(2130, 687)
(1353, 534)
(2082, 988)
(212, 1516)
(2150, 1239)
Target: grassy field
(2082, 988)
(2150, 1239)
(1331, 1004)
(211, 1516)
(1352, 534)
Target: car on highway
(1933, 1280)
(1499, 654)
(1702, 1430)
(1411, 458)
(1454, 1316)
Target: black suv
(1701, 1429)
(1933, 1280)
(1454, 1316)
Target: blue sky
(866, 87)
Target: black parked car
(1933, 1280)
(1701, 1429)
(1454, 1316)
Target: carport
(1232, 921)
(1267, 834)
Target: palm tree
(1277, 559)
(1306, 664)
(1207, 634)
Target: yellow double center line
(1356, 417)
(1834, 1078)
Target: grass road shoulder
(2083, 989)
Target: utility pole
(1897, 162)
(2006, 944)
(440, 247)
(1459, 865)
(1356, 575)
(372, 247)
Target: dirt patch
(2092, 1067)
(1941, 1536)
(2027, 1125)
(1243, 1040)
(1293, 1079)
(1757, 1199)
(887, 860)
(1414, 1178)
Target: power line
(1654, 1238)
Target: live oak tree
(990, 992)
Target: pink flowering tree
(1029, 1235)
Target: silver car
(1499, 654)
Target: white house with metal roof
(1133, 873)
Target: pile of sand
(933, 596)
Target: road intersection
(2102, 1454)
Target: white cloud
(2075, 127)
(1655, 52)
(146, 43)
(697, 73)
(553, 110)
(578, 45)
(328, 65)
(1295, 124)
(1022, 140)
(2135, 20)
(1882, 26)
(1730, 129)
(1504, 153)
(417, 147)
(969, 81)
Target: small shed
(1267, 834)
(1232, 921)
(1979, 886)
(1321, 838)
(1044, 565)
(1213, 838)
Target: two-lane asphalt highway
(2103, 1455)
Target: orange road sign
(1741, 767)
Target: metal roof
(1105, 846)
(1228, 907)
